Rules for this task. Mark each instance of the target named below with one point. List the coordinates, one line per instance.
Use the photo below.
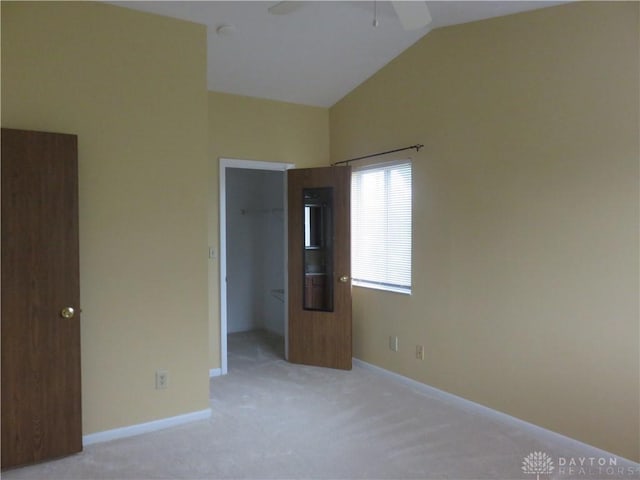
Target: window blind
(381, 226)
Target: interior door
(319, 256)
(41, 399)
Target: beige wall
(526, 212)
(525, 278)
(133, 87)
(254, 129)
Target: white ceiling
(319, 52)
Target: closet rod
(417, 147)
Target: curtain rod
(417, 147)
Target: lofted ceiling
(320, 51)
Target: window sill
(386, 288)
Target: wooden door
(319, 256)
(41, 416)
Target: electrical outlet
(162, 379)
(419, 352)
(393, 343)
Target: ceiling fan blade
(412, 15)
(284, 8)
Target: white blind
(381, 226)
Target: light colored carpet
(275, 420)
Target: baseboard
(215, 372)
(473, 407)
(147, 427)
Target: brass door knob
(67, 312)
(344, 279)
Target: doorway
(253, 250)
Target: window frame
(372, 284)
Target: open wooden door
(319, 239)
(41, 400)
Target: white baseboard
(215, 372)
(470, 406)
(147, 427)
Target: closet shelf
(278, 293)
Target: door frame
(251, 165)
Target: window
(381, 226)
